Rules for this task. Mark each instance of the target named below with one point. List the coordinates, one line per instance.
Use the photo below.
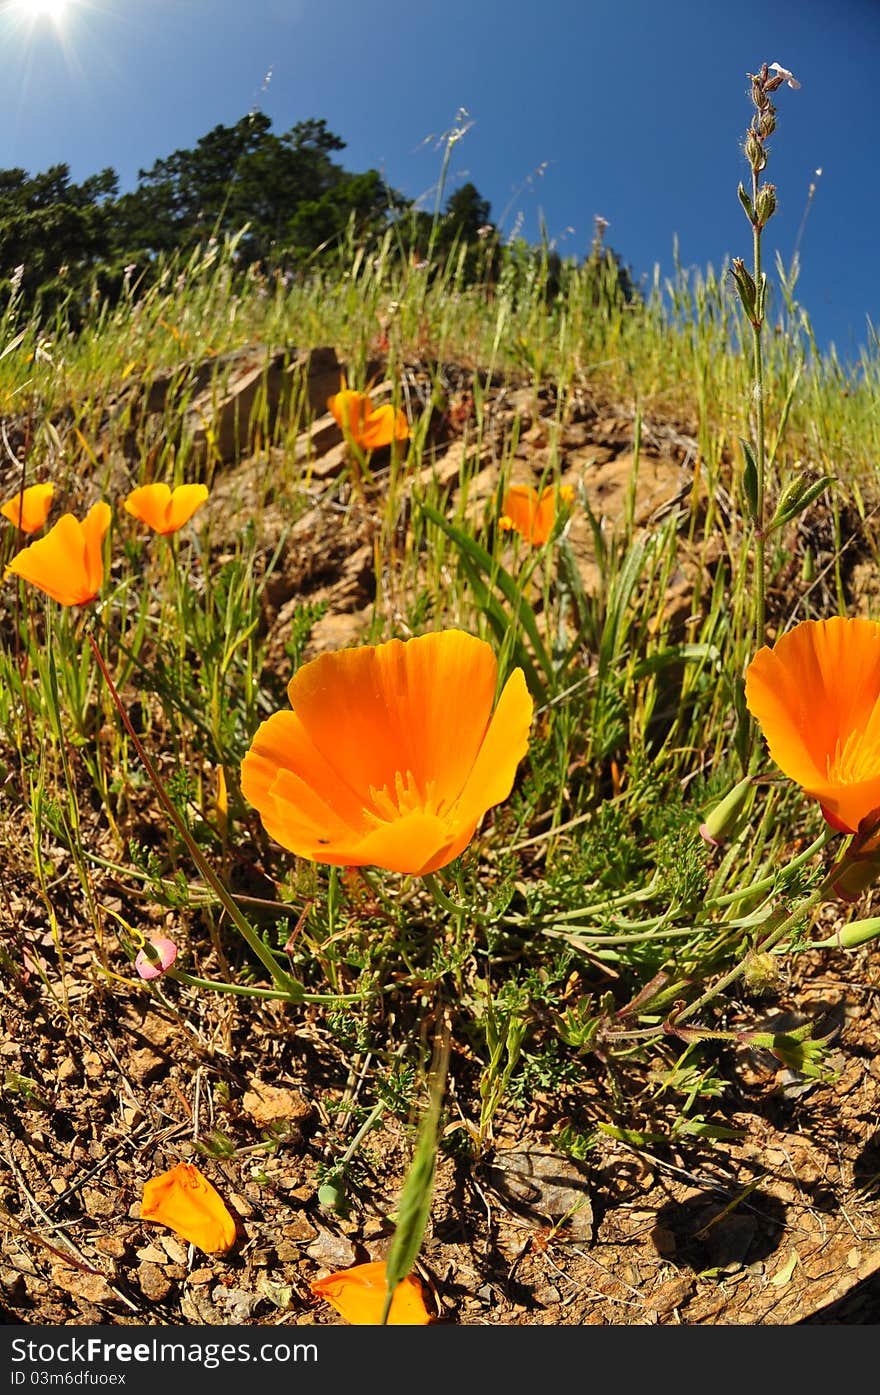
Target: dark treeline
(60, 240)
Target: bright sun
(53, 10)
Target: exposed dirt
(106, 1082)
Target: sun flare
(53, 10)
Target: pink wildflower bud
(157, 955)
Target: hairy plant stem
(760, 457)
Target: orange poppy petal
(416, 844)
(185, 1201)
(518, 509)
(819, 683)
(358, 1295)
(296, 815)
(421, 706)
(29, 509)
(816, 697)
(148, 503)
(281, 743)
(57, 564)
(94, 530)
(185, 499)
(542, 523)
(350, 410)
(506, 742)
(383, 426)
(545, 513)
(444, 694)
(848, 803)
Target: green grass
(588, 918)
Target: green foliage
(588, 923)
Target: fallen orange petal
(358, 1295)
(185, 1201)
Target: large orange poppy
(816, 697)
(368, 429)
(163, 509)
(29, 509)
(531, 515)
(358, 1294)
(392, 753)
(67, 563)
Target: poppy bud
(722, 821)
(858, 932)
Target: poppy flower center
(406, 798)
(855, 759)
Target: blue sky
(631, 109)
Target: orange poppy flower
(368, 429)
(163, 509)
(358, 1294)
(392, 753)
(816, 696)
(29, 509)
(185, 1201)
(67, 563)
(531, 515)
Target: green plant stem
(445, 902)
(760, 456)
(774, 938)
(768, 883)
(247, 991)
(374, 1115)
(291, 989)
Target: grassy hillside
(589, 955)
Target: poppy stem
(443, 901)
(291, 989)
(783, 927)
(246, 991)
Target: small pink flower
(158, 955)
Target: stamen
(406, 798)
(854, 760)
